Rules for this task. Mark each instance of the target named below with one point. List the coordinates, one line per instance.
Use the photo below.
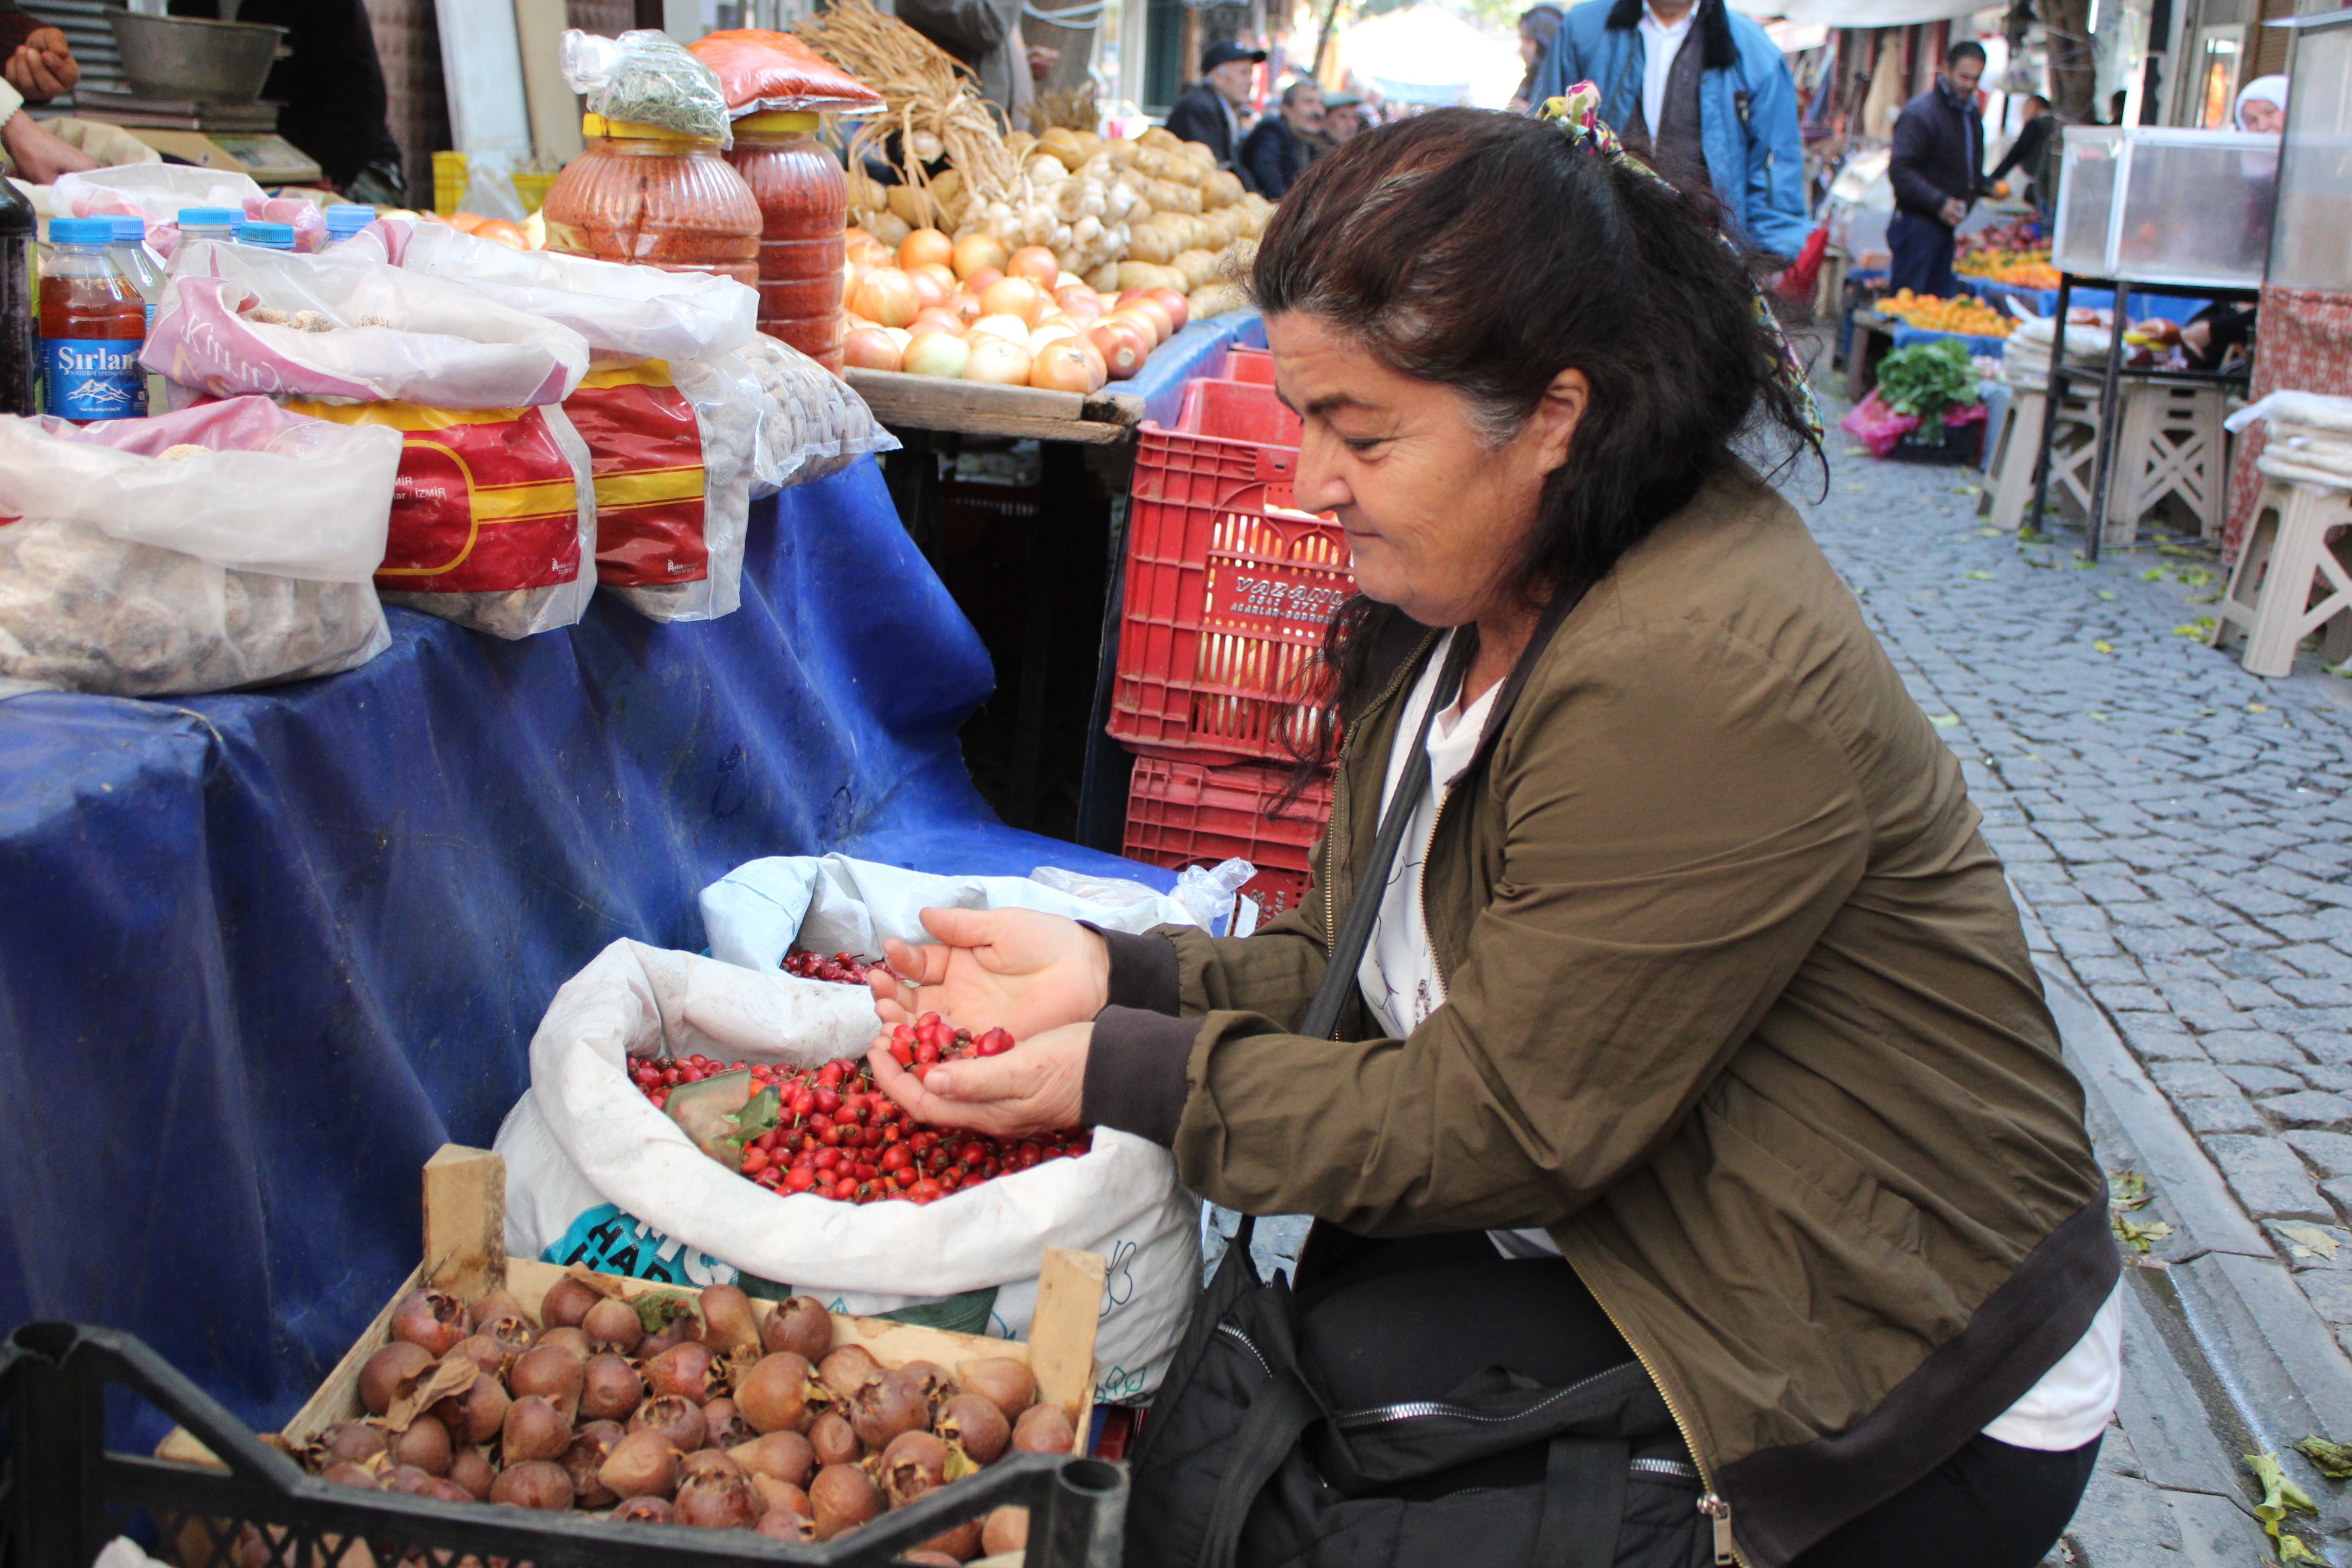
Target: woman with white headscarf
(2261, 106)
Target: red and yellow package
(486, 501)
(645, 446)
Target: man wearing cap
(1210, 111)
(1343, 119)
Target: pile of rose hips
(846, 968)
(837, 1136)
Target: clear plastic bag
(1209, 891)
(646, 77)
(242, 559)
(812, 425)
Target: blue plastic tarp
(261, 954)
(1198, 350)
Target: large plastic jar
(643, 194)
(803, 211)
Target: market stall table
(261, 954)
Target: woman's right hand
(1018, 970)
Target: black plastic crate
(63, 1496)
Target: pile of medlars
(968, 310)
(671, 1409)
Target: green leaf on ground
(2127, 1189)
(2281, 1496)
(2095, 716)
(1943, 720)
(2106, 592)
(2197, 577)
(2154, 574)
(2139, 1235)
(2203, 627)
(2333, 1460)
(1981, 576)
(2257, 707)
(2310, 1240)
(2101, 644)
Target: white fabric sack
(2317, 410)
(753, 915)
(396, 336)
(157, 190)
(584, 1132)
(627, 313)
(135, 574)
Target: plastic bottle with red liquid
(804, 209)
(93, 325)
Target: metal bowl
(190, 58)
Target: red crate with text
(1228, 586)
(1182, 813)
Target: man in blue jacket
(1704, 94)
(1937, 171)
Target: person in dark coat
(1210, 111)
(1937, 173)
(2030, 154)
(331, 84)
(1282, 144)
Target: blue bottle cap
(129, 230)
(80, 230)
(210, 217)
(349, 217)
(268, 236)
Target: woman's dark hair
(1489, 252)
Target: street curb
(2235, 1307)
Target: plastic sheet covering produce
(260, 955)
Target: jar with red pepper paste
(804, 210)
(648, 195)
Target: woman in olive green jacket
(1696, 967)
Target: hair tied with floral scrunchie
(1576, 113)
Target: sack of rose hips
(493, 518)
(697, 1123)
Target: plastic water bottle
(345, 219)
(210, 223)
(137, 263)
(20, 340)
(93, 325)
(267, 236)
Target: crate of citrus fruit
(1965, 317)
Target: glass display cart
(2152, 210)
(2311, 239)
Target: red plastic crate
(1250, 364)
(1182, 813)
(1227, 589)
(1238, 411)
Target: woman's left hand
(1035, 1087)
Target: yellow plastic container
(448, 181)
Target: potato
(1197, 265)
(1162, 138)
(889, 229)
(913, 207)
(1221, 189)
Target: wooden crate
(465, 1254)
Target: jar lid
(81, 230)
(778, 120)
(631, 130)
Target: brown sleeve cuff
(1135, 1071)
(1142, 969)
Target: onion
(940, 276)
(977, 252)
(1012, 329)
(995, 360)
(872, 253)
(1015, 296)
(937, 318)
(985, 279)
(928, 290)
(937, 354)
(870, 348)
(1043, 336)
(924, 247)
(1035, 263)
(885, 295)
(1151, 311)
(1095, 368)
(1178, 309)
(1117, 340)
(1078, 302)
(966, 307)
(1060, 367)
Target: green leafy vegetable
(1927, 379)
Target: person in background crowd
(1702, 92)
(2261, 106)
(1282, 144)
(986, 35)
(331, 84)
(1343, 119)
(1539, 25)
(1937, 171)
(2031, 153)
(1209, 112)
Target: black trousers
(1387, 1323)
(1919, 256)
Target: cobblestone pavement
(2183, 828)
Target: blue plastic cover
(261, 954)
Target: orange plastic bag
(764, 72)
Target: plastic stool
(2290, 579)
(2171, 442)
(2072, 451)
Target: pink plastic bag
(1877, 426)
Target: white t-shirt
(1399, 976)
(1660, 45)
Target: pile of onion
(968, 310)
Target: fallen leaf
(1981, 576)
(2095, 716)
(2107, 592)
(2101, 644)
(2257, 707)
(2203, 627)
(1943, 720)
(2313, 1239)
(2154, 574)
(2140, 1235)
(2280, 1497)
(2127, 1189)
(2333, 1460)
